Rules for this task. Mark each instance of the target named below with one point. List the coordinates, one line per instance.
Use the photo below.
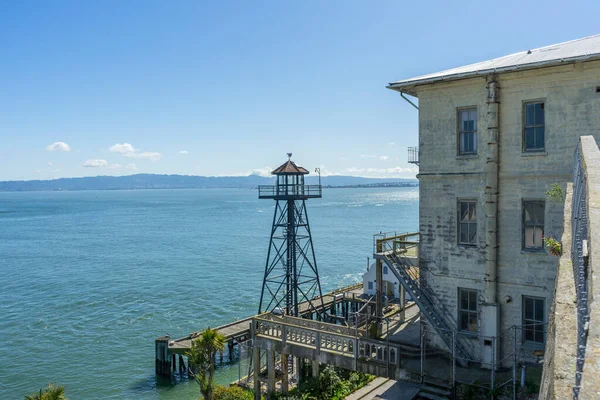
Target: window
(467, 309)
(533, 135)
(533, 224)
(467, 222)
(467, 131)
(533, 319)
(385, 270)
(370, 285)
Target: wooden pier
(341, 301)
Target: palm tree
(202, 356)
(51, 392)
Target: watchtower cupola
(290, 184)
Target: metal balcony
(289, 192)
(413, 155)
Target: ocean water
(90, 279)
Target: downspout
(491, 191)
(411, 103)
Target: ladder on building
(396, 255)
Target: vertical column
(256, 362)
(402, 303)
(270, 373)
(379, 288)
(315, 368)
(284, 369)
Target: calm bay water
(90, 279)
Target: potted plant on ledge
(553, 245)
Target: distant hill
(153, 181)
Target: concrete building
(493, 137)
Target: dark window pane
(464, 233)
(529, 114)
(539, 114)
(539, 137)
(472, 233)
(464, 211)
(464, 300)
(473, 300)
(539, 310)
(464, 320)
(529, 138)
(528, 308)
(472, 212)
(528, 334)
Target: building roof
(587, 48)
(289, 168)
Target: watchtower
(291, 274)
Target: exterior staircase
(401, 257)
(435, 389)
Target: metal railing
(401, 252)
(578, 248)
(413, 155)
(289, 191)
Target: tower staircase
(400, 254)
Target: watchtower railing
(289, 191)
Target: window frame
(385, 270)
(525, 126)
(369, 285)
(524, 320)
(524, 226)
(459, 222)
(459, 131)
(470, 311)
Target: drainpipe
(491, 192)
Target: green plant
(202, 357)
(51, 392)
(232, 393)
(555, 193)
(553, 245)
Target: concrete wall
(572, 109)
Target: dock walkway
(239, 331)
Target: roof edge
(398, 86)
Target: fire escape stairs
(405, 271)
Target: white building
(391, 287)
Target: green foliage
(553, 245)
(232, 393)
(201, 357)
(51, 392)
(332, 384)
(555, 193)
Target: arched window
(385, 270)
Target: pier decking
(239, 331)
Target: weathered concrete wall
(560, 357)
(572, 109)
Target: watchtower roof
(289, 168)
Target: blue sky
(117, 87)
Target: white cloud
(183, 152)
(129, 151)
(49, 164)
(95, 163)
(146, 155)
(383, 158)
(265, 171)
(58, 146)
(122, 148)
(368, 156)
(131, 167)
(392, 143)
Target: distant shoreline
(152, 181)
